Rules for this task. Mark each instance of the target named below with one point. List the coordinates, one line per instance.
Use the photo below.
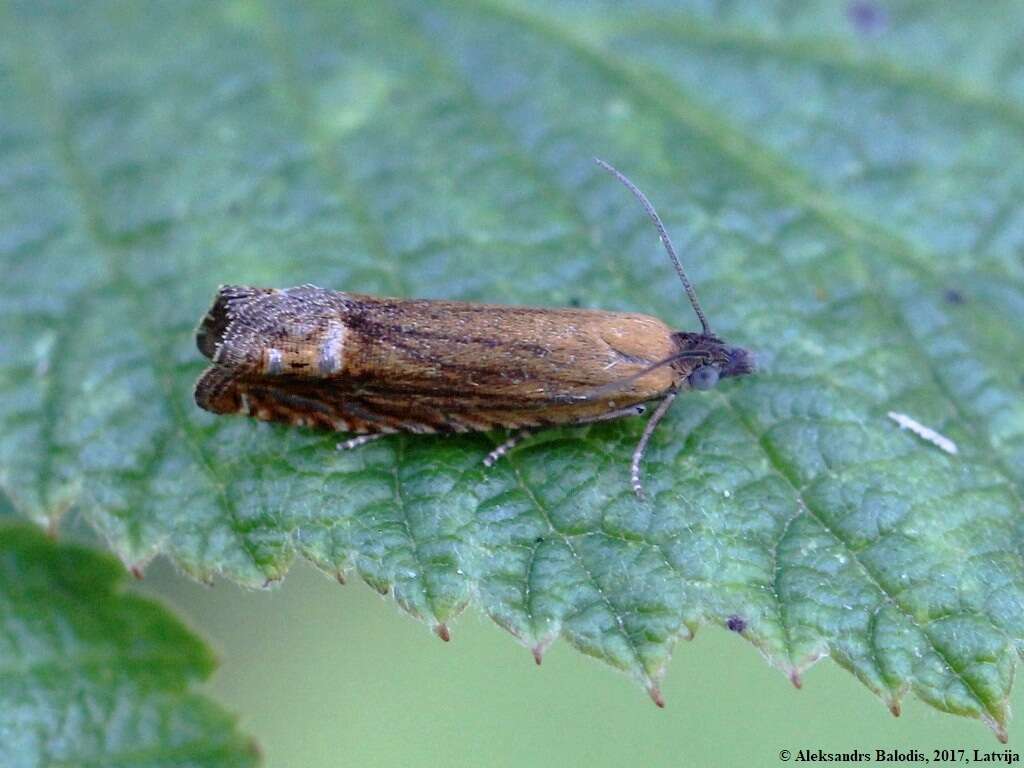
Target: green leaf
(90, 676)
(843, 180)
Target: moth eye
(704, 377)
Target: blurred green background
(325, 675)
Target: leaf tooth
(137, 568)
(798, 667)
(541, 647)
(441, 630)
(654, 691)
(795, 678)
(998, 728)
(996, 718)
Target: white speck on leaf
(42, 351)
(925, 433)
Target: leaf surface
(843, 180)
(90, 676)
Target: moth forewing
(372, 365)
(434, 366)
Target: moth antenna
(663, 234)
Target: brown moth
(348, 362)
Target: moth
(373, 366)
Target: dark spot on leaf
(736, 624)
(867, 17)
(953, 296)
(575, 302)
(538, 540)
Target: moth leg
(355, 442)
(641, 447)
(513, 440)
(633, 410)
(518, 437)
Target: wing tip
(217, 391)
(217, 321)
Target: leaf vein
(873, 578)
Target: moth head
(704, 359)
